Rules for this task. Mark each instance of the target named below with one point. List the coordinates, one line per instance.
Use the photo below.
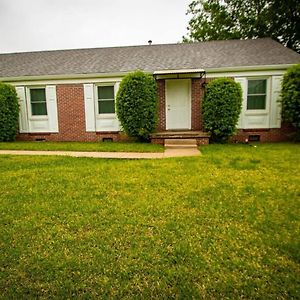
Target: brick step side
(202, 138)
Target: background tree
(239, 19)
(9, 112)
(137, 104)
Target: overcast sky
(30, 25)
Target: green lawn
(79, 146)
(222, 225)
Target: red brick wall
(161, 93)
(197, 96)
(71, 118)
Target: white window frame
(28, 97)
(268, 93)
(104, 115)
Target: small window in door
(106, 100)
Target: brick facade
(197, 96)
(71, 117)
(161, 93)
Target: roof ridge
(136, 46)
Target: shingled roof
(204, 55)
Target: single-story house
(69, 95)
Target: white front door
(178, 104)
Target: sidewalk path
(176, 152)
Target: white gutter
(63, 76)
(249, 68)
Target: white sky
(30, 25)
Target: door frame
(189, 103)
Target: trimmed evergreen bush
(222, 106)
(137, 104)
(9, 112)
(290, 97)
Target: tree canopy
(239, 19)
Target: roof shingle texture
(204, 55)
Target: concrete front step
(202, 138)
(181, 142)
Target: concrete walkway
(169, 152)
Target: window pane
(257, 86)
(106, 92)
(39, 109)
(37, 95)
(106, 107)
(256, 102)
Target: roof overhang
(180, 73)
(249, 68)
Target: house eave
(26, 78)
(62, 76)
(249, 68)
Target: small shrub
(9, 112)
(137, 104)
(222, 106)
(290, 97)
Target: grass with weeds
(222, 225)
(80, 146)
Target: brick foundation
(157, 141)
(282, 134)
(202, 141)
